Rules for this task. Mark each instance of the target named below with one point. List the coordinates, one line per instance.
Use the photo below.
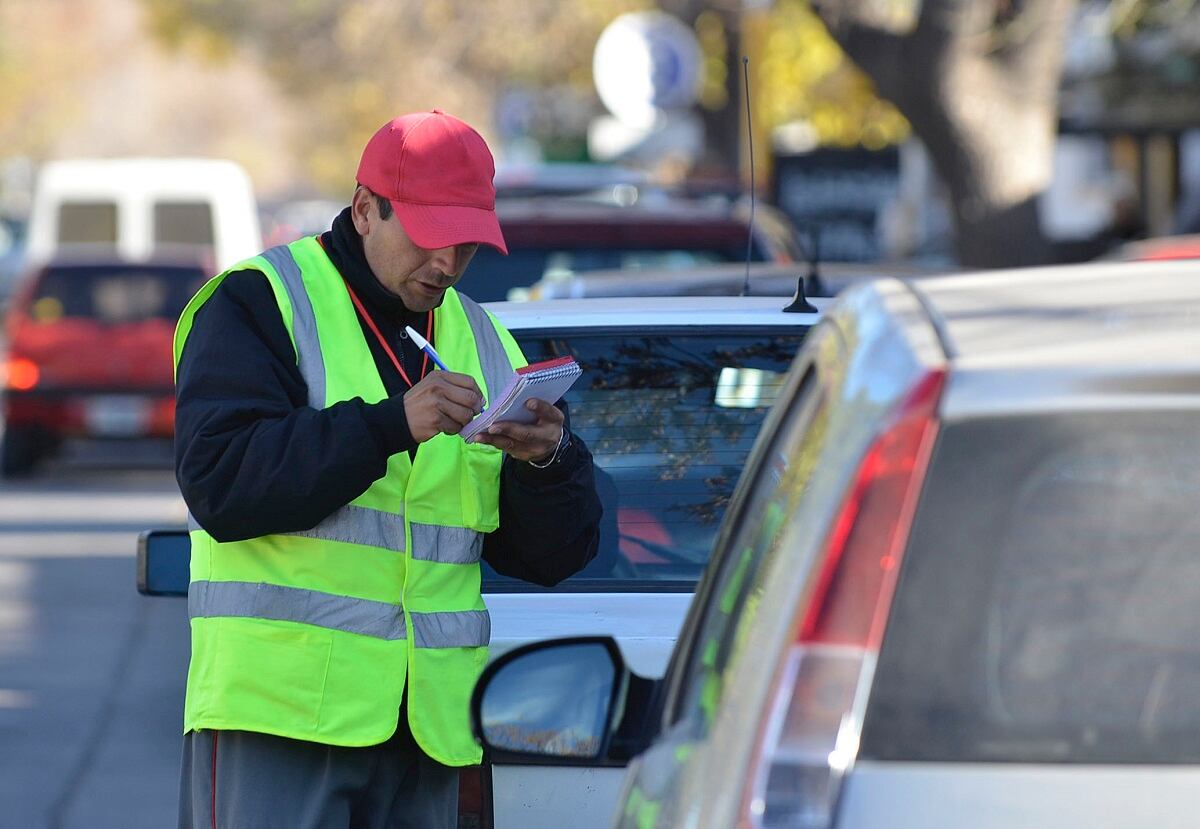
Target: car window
(778, 481)
(1050, 597)
(492, 275)
(670, 419)
(113, 294)
(183, 223)
(87, 223)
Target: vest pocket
(273, 674)
(481, 487)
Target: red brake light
(854, 590)
(810, 735)
(23, 374)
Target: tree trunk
(982, 94)
(723, 128)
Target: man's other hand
(443, 401)
(528, 441)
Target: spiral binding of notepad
(570, 370)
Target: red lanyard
(387, 349)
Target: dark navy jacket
(252, 458)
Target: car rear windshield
(114, 293)
(670, 419)
(87, 223)
(1049, 603)
(183, 223)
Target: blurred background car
(559, 237)
(734, 279)
(89, 353)
(955, 587)
(1158, 248)
(136, 208)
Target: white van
(143, 206)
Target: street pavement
(91, 673)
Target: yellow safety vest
(311, 635)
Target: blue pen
(424, 345)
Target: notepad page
(549, 383)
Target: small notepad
(547, 380)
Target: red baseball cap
(437, 172)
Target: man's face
(417, 275)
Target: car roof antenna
(800, 303)
(750, 144)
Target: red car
(90, 354)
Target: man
(337, 518)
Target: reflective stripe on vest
(257, 600)
(459, 629)
(492, 359)
(446, 545)
(304, 324)
(358, 525)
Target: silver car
(957, 586)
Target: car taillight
(810, 734)
(475, 797)
(22, 374)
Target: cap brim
(443, 225)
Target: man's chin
(418, 299)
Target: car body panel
(646, 624)
(533, 797)
(924, 795)
(1046, 353)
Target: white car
(673, 394)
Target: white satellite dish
(645, 64)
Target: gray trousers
(245, 780)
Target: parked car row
(954, 587)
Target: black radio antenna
(750, 144)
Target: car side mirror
(164, 562)
(565, 701)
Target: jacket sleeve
(549, 518)
(251, 456)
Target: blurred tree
(798, 74)
(803, 75)
(978, 80)
(34, 63)
(353, 65)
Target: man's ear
(360, 209)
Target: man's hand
(443, 401)
(528, 441)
